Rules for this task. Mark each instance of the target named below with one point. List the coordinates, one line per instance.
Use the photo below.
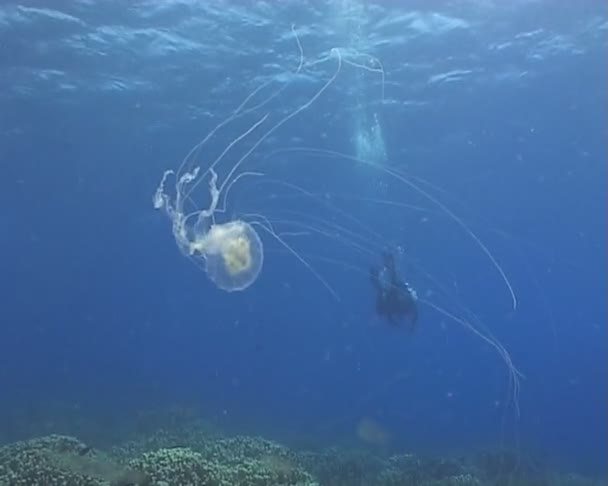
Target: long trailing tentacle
(267, 227)
(427, 195)
(241, 111)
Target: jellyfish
(211, 228)
(231, 253)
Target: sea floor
(190, 452)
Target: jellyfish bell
(233, 254)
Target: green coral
(205, 460)
(179, 465)
(409, 469)
(267, 471)
(235, 449)
(183, 466)
(58, 460)
(343, 467)
(195, 435)
(43, 462)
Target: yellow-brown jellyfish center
(237, 255)
(233, 253)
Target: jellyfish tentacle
(427, 195)
(240, 110)
(514, 374)
(288, 247)
(281, 122)
(248, 173)
(219, 158)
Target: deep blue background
(100, 312)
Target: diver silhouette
(395, 298)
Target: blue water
(500, 109)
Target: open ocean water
(200, 204)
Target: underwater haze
(466, 138)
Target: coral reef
(338, 467)
(239, 461)
(194, 457)
(178, 466)
(58, 460)
(195, 435)
(65, 461)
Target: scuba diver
(395, 298)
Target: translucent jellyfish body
(233, 254)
